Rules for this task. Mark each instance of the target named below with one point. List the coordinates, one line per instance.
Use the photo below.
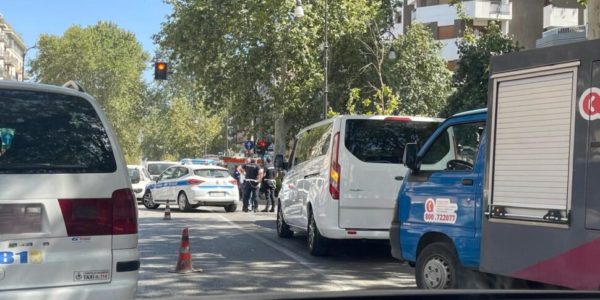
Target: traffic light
(262, 146)
(160, 70)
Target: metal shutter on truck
(532, 145)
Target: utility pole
(593, 18)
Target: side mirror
(279, 162)
(157, 178)
(410, 156)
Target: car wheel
(231, 208)
(438, 267)
(317, 244)
(283, 229)
(182, 202)
(148, 202)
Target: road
(241, 253)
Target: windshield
(297, 147)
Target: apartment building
(12, 49)
(532, 23)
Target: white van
(343, 177)
(68, 216)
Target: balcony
(562, 35)
(560, 17)
(488, 10)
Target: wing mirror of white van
(279, 162)
(410, 158)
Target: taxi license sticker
(91, 275)
(21, 257)
(440, 210)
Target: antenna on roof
(75, 85)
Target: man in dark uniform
(253, 174)
(270, 184)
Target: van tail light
(398, 119)
(335, 169)
(233, 181)
(101, 216)
(194, 181)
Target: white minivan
(68, 216)
(343, 177)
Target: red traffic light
(160, 70)
(261, 144)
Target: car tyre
(317, 244)
(438, 267)
(231, 208)
(148, 202)
(283, 229)
(182, 202)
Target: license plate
(217, 194)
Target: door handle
(467, 181)
(399, 177)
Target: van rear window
(379, 141)
(51, 133)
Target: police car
(190, 186)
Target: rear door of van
(64, 192)
(371, 150)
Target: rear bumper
(113, 290)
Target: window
(180, 172)
(51, 133)
(134, 174)
(212, 173)
(168, 173)
(455, 149)
(379, 141)
(156, 169)
(313, 143)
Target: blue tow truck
(509, 194)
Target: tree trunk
(281, 129)
(593, 16)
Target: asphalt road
(241, 253)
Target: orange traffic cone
(184, 262)
(167, 212)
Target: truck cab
(437, 221)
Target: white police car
(191, 186)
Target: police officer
(270, 184)
(253, 174)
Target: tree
(109, 62)
(417, 82)
(255, 54)
(471, 76)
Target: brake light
(335, 169)
(233, 181)
(100, 216)
(194, 181)
(397, 119)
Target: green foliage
(470, 78)
(109, 62)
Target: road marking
(340, 286)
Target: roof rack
(75, 85)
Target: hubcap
(311, 232)
(279, 223)
(148, 200)
(181, 202)
(436, 273)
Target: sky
(30, 18)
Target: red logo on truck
(589, 104)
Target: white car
(191, 186)
(155, 168)
(343, 177)
(68, 217)
(139, 179)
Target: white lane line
(339, 286)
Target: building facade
(12, 49)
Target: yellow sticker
(36, 257)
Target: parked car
(157, 167)
(139, 177)
(62, 175)
(191, 186)
(343, 177)
(198, 161)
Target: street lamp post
(23, 63)
(299, 13)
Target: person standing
(270, 184)
(252, 174)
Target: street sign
(248, 145)
(7, 139)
